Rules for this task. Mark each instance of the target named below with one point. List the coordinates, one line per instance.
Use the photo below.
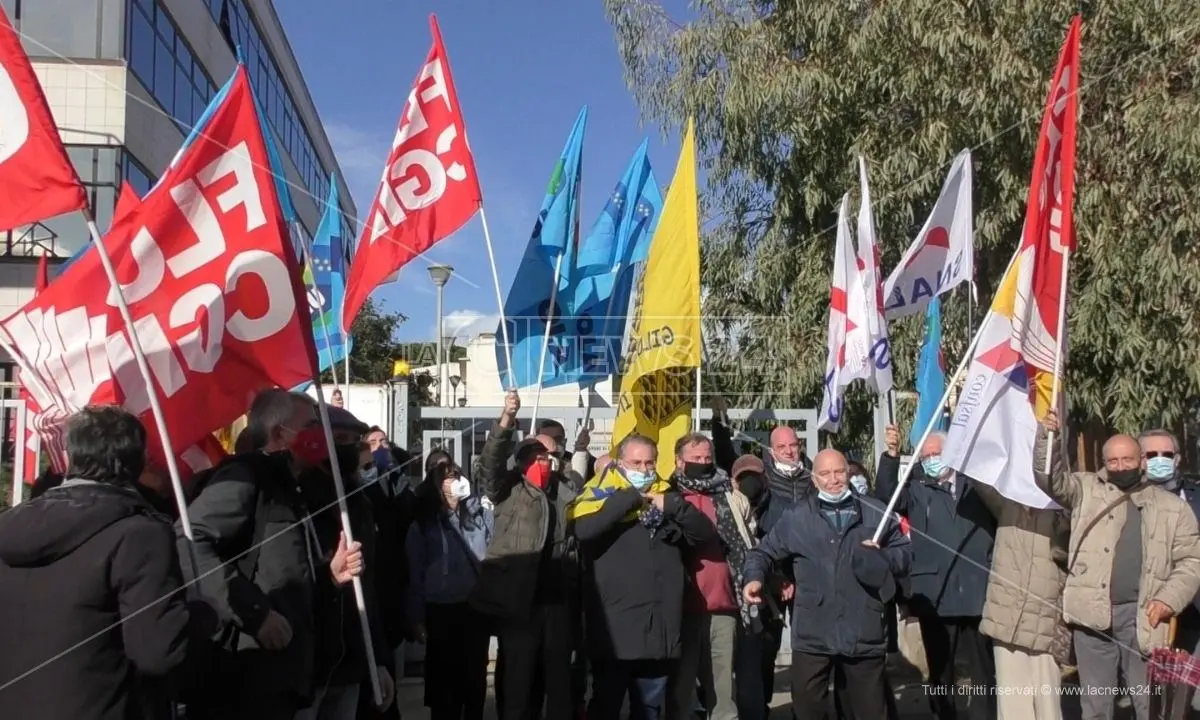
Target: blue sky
(523, 69)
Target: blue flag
(552, 245)
(604, 274)
(931, 375)
(326, 284)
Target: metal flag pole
(160, 419)
(537, 398)
(487, 240)
(344, 510)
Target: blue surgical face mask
(1160, 469)
(933, 466)
(638, 479)
(834, 497)
(860, 484)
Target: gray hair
(1159, 432)
(635, 439)
(271, 410)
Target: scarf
(608, 483)
(718, 489)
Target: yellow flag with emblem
(664, 341)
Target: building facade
(127, 79)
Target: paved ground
(910, 694)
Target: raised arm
(887, 474)
(1060, 484)
(497, 481)
(724, 453)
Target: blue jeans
(644, 681)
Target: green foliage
(786, 94)
(375, 347)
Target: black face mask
(699, 471)
(1125, 479)
(753, 487)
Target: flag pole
(1056, 385)
(537, 398)
(587, 415)
(344, 510)
(696, 421)
(936, 416)
(487, 240)
(160, 420)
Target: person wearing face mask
(953, 534)
(714, 610)
(1132, 565)
(341, 668)
(788, 471)
(844, 580)
(263, 592)
(634, 531)
(529, 579)
(446, 544)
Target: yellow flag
(664, 341)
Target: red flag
(429, 188)
(127, 202)
(30, 444)
(1049, 222)
(212, 285)
(37, 180)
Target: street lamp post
(440, 274)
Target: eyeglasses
(1169, 454)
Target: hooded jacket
(91, 612)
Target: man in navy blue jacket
(843, 582)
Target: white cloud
(361, 155)
(466, 324)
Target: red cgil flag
(429, 187)
(37, 180)
(211, 283)
(30, 445)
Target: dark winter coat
(952, 540)
(225, 522)
(92, 618)
(842, 588)
(633, 592)
(519, 561)
(784, 491)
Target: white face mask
(460, 488)
(785, 467)
(860, 484)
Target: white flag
(943, 255)
(879, 365)
(847, 345)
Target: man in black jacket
(952, 534)
(529, 579)
(843, 582)
(91, 612)
(259, 560)
(633, 529)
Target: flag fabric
(32, 445)
(37, 180)
(847, 344)
(665, 338)
(1007, 388)
(931, 376)
(551, 248)
(943, 254)
(429, 187)
(880, 364)
(604, 273)
(325, 280)
(213, 288)
(608, 483)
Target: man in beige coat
(1133, 563)
(1023, 610)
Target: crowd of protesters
(605, 586)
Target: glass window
(104, 203)
(164, 75)
(137, 176)
(106, 165)
(141, 46)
